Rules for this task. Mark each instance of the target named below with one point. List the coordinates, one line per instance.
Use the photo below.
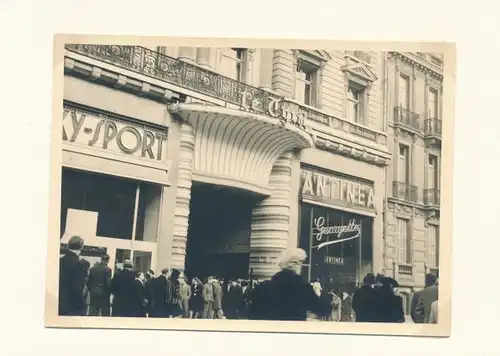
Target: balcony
(432, 197)
(189, 78)
(432, 132)
(405, 191)
(404, 273)
(406, 119)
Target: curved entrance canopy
(238, 148)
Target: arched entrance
(235, 166)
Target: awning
(238, 148)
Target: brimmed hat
(127, 264)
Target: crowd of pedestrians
(93, 291)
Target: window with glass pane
(433, 103)
(232, 63)
(355, 96)
(432, 177)
(403, 241)
(403, 167)
(113, 199)
(432, 232)
(305, 86)
(404, 92)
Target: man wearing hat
(99, 285)
(122, 287)
(72, 277)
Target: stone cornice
(420, 63)
(405, 207)
(113, 78)
(351, 150)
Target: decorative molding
(359, 154)
(118, 81)
(418, 63)
(321, 55)
(360, 71)
(270, 221)
(236, 148)
(183, 197)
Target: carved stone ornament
(361, 71)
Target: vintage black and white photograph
(275, 188)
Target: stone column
(270, 221)
(183, 197)
(204, 57)
(187, 54)
(266, 68)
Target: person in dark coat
(138, 298)
(148, 284)
(233, 299)
(418, 316)
(363, 300)
(122, 287)
(389, 307)
(72, 276)
(99, 286)
(174, 295)
(287, 296)
(158, 295)
(196, 300)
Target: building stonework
(252, 121)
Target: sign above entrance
(274, 107)
(334, 188)
(98, 131)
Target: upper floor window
(404, 241)
(355, 103)
(306, 82)
(404, 92)
(433, 243)
(433, 103)
(233, 63)
(432, 173)
(404, 164)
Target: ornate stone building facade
(413, 112)
(221, 158)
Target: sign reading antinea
(334, 188)
(329, 235)
(88, 129)
(274, 107)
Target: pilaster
(183, 197)
(270, 221)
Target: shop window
(233, 63)
(346, 245)
(114, 199)
(306, 82)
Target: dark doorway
(218, 241)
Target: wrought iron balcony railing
(405, 191)
(406, 117)
(405, 269)
(433, 127)
(432, 197)
(192, 77)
